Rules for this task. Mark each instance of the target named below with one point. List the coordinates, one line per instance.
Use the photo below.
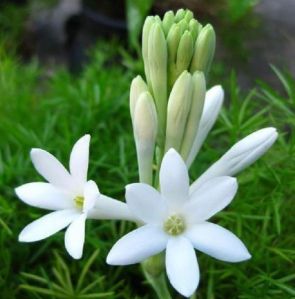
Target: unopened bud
(184, 53)
(137, 87)
(149, 21)
(198, 98)
(168, 21)
(212, 105)
(145, 133)
(204, 50)
(177, 111)
(188, 15)
(183, 25)
(157, 60)
(194, 28)
(179, 14)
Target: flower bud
(145, 133)
(188, 15)
(168, 21)
(180, 14)
(204, 50)
(157, 60)
(149, 21)
(184, 53)
(194, 28)
(179, 104)
(137, 87)
(198, 98)
(183, 25)
(213, 102)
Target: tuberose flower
(241, 155)
(176, 220)
(73, 198)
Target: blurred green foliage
(136, 11)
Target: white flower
(240, 155)
(70, 194)
(176, 220)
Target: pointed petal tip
(114, 260)
(248, 255)
(35, 151)
(25, 238)
(86, 137)
(76, 257)
(171, 151)
(109, 260)
(17, 190)
(21, 238)
(217, 90)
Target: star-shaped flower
(69, 193)
(176, 220)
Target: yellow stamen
(174, 225)
(79, 201)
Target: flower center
(174, 225)
(79, 201)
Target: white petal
(210, 198)
(75, 237)
(51, 169)
(79, 159)
(240, 156)
(91, 195)
(218, 242)
(137, 246)
(174, 180)
(47, 225)
(212, 106)
(146, 203)
(109, 208)
(182, 266)
(44, 195)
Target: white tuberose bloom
(241, 155)
(70, 194)
(176, 220)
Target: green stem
(154, 271)
(159, 285)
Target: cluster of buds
(166, 108)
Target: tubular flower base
(176, 221)
(73, 197)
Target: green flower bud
(157, 60)
(137, 87)
(149, 21)
(188, 15)
(178, 110)
(173, 39)
(204, 50)
(145, 133)
(184, 53)
(194, 28)
(180, 14)
(196, 109)
(183, 25)
(168, 21)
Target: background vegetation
(52, 109)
